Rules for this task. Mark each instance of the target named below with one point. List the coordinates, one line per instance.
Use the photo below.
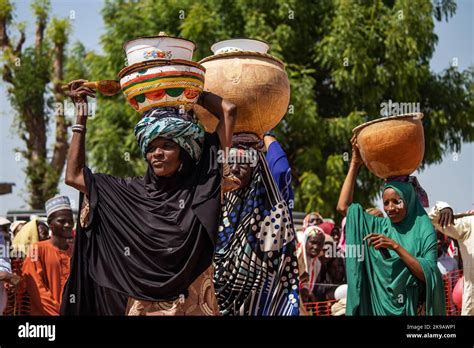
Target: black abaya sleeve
(81, 296)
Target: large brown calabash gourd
(255, 82)
(392, 146)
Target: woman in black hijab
(149, 241)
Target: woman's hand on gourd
(356, 157)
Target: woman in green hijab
(390, 262)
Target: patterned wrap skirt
(200, 300)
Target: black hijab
(147, 237)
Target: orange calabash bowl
(392, 146)
(256, 83)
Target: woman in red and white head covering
(309, 264)
(312, 219)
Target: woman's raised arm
(76, 159)
(226, 112)
(347, 191)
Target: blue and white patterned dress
(256, 268)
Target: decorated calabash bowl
(160, 47)
(159, 84)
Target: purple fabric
(342, 240)
(420, 192)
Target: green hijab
(378, 286)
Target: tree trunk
(61, 145)
(42, 176)
(4, 40)
(41, 25)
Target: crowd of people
(209, 230)
(41, 251)
(321, 259)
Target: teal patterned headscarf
(185, 133)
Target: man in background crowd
(47, 269)
(6, 275)
(461, 228)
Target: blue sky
(451, 180)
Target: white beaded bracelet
(78, 128)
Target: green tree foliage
(33, 77)
(344, 58)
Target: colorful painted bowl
(163, 85)
(392, 146)
(158, 47)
